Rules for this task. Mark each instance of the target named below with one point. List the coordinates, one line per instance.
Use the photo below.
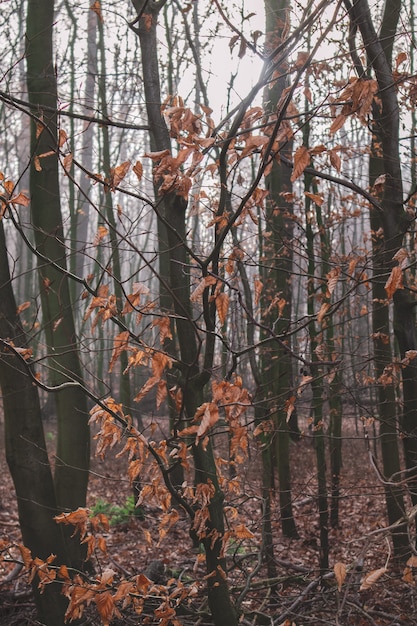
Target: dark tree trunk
(26, 453)
(73, 446)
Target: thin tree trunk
(277, 292)
(173, 207)
(73, 445)
(26, 453)
(385, 160)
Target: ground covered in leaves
(359, 549)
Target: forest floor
(302, 596)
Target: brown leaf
(22, 307)
(314, 197)
(301, 161)
(138, 169)
(20, 199)
(67, 161)
(222, 306)
(202, 285)
(372, 578)
(338, 122)
(400, 58)
(323, 310)
(340, 573)
(118, 173)
(332, 278)
(394, 282)
(62, 137)
(258, 290)
(335, 159)
(210, 416)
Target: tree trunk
(385, 159)
(173, 209)
(73, 446)
(277, 296)
(26, 453)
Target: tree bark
(172, 208)
(385, 159)
(73, 446)
(26, 453)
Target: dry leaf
(323, 310)
(371, 578)
(301, 161)
(337, 123)
(62, 138)
(315, 197)
(394, 282)
(67, 161)
(22, 307)
(138, 169)
(340, 573)
(222, 306)
(21, 199)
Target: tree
(73, 449)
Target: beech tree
(236, 308)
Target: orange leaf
(210, 416)
(161, 393)
(371, 578)
(301, 161)
(138, 169)
(21, 199)
(337, 123)
(394, 282)
(203, 284)
(102, 231)
(222, 306)
(340, 573)
(22, 307)
(335, 159)
(67, 162)
(118, 173)
(323, 310)
(258, 290)
(242, 532)
(62, 137)
(315, 198)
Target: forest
(208, 345)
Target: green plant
(118, 514)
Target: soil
(302, 596)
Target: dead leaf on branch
(222, 306)
(117, 174)
(138, 170)
(394, 282)
(301, 161)
(205, 282)
(316, 198)
(337, 123)
(20, 199)
(332, 279)
(78, 518)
